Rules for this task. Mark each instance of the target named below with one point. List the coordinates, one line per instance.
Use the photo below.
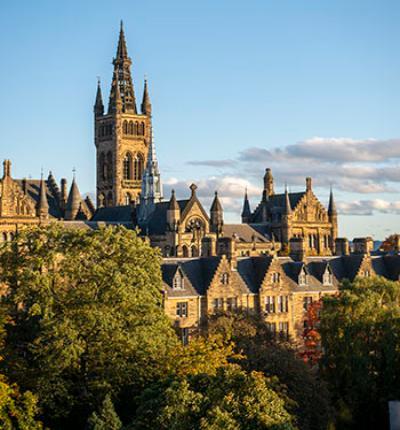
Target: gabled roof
(168, 271)
(156, 224)
(392, 265)
(199, 271)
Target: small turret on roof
(73, 203)
(42, 207)
(246, 212)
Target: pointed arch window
(179, 281)
(125, 127)
(127, 166)
(131, 127)
(138, 165)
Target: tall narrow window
(125, 127)
(127, 166)
(284, 330)
(270, 304)
(138, 167)
(182, 309)
(109, 166)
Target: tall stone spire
(151, 183)
(98, 106)
(42, 208)
(122, 79)
(73, 203)
(246, 212)
(332, 205)
(146, 103)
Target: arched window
(194, 251)
(5, 237)
(125, 127)
(103, 166)
(178, 282)
(185, 251)
(141, 129)
(109, 164)
(303, 278)
(138, 167)
(127, 166)
(136, 128)
(109, 199)
(327, 277)
(101, 200)
(131, 128)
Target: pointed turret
(146, 103)
(73, 202)
(216, 215)
(98, 106)
(42, 207)
(287, 209)
(332, 205)
(122, 79)
(173, 213)
(246, 212)
(173, 204)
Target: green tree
(17, 411)
(107, 419)
(307, 396)
(360, 331)
(87, 317)
(231, 399)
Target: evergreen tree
(107, 419)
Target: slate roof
(276, 203)
(156, 224)
(120, 214)
(244, 233)
(32, 187)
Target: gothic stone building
(284, 255)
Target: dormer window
(178, 282)
(303, 278)
(367, 274)
(276, 277)
(327, 278)
(225, 278)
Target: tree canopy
(86, 316)
(360, 331)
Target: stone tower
(122, 135)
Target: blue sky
(306, 87)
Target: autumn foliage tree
(311, 352)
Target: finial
(74, 172)
(41, 173)
(122, 25)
